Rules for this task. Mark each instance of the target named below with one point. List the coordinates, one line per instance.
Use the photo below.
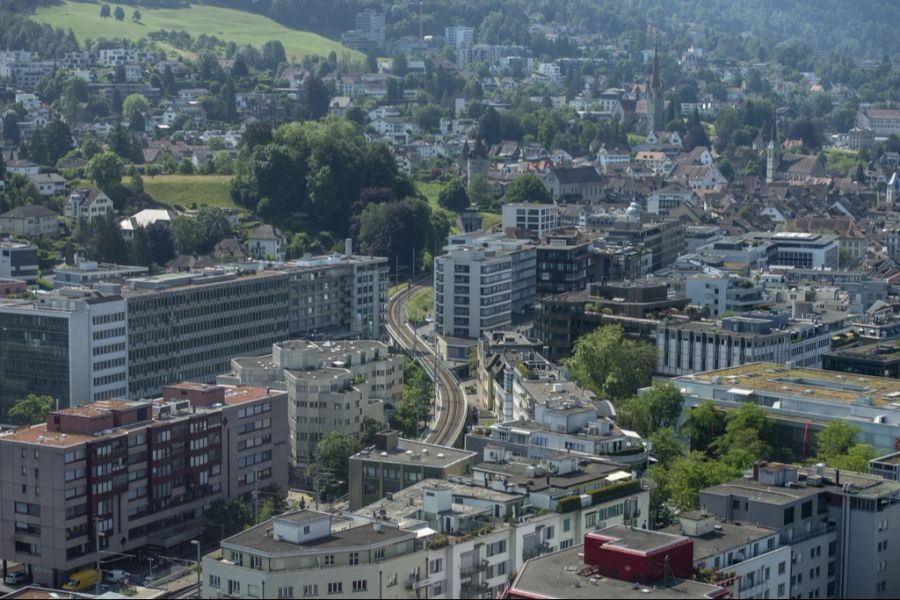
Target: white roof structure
(144, 218)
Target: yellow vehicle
(81, 580)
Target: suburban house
(48, 184)
(30, 220)
(87, 204)
(265, 241)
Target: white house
(87, 204)
(265, 241)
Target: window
(360, 585)
(435, 566)
(311, 590)
(234, 587)
(329, 560)
(567, 525)
(781, 568)
(789, 515)
(379, 554)
(353, 558)
(590, 520)
(255, 562)
(286, 592)
(781, 590)
(214, 581)
(806, 510)
(336, 587)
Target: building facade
(472, 291)
(134, 474)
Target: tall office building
(459, 36)
(134, 474)
(70, 345)
(152, 331)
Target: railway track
(450, 403)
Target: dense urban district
(460, 299)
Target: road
(450, 404)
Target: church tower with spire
(772, 154)
(655, 100)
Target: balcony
(470, 570)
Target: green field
(841, 162)
(226, 24)
(187, 190)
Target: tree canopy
(453, 196)
(30, 410)
(527, 188)
(610, 365)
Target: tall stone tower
(772, 154)
(655, 100)
(893, 191)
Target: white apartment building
(112, 57)
(751, 558)
(459, 36)
(309, 554)
(523, 254)
(18, 261)
(722, 293)
(536, 218)
(332, 386)
(88, 205)
(472, 291)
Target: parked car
(17, 578)
(115, 576)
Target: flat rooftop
(38, 434)
(725, 537)
(559, 575)
(776, 379)
(260, 538)
(640, 540)
(415, 452)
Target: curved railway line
(450, 401)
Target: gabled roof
(29, 211)
(577, 175)
(264, 232)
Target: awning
(618, 476)
(425, 531)
(740, 392)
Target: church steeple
(655, 100)
(772, 154)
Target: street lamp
(150, 562)
(197, 543)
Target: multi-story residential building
(696, 346)
(29, 221)
(564, 263)
(836, 523)
(189, 326)
(18, 261)
(722, 293)
(393, 464)
(537, 219)
(616, 562)
(265, 241)
(70, 345)
(477, 532)
(86, 273)
(130, 474)
(112, 57)
(332, 386)
(309, 554)
(459, 36)
(747, 559)
(801, 401)
(523, 255)
(472, 291)
(487, 54)
(87, 204)
(369, 33)
(563, 426)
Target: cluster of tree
(611, 365)
(316, 169)
(149, 246)
(418, 399)
(18, 32)
(30, 410)
(201, 233)
(226, 518)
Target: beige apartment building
(134, 474)
(331, 386)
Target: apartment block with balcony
(331, 385)
(126, 475)
(837, 524)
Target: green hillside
(226, 24)
(188, 190)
